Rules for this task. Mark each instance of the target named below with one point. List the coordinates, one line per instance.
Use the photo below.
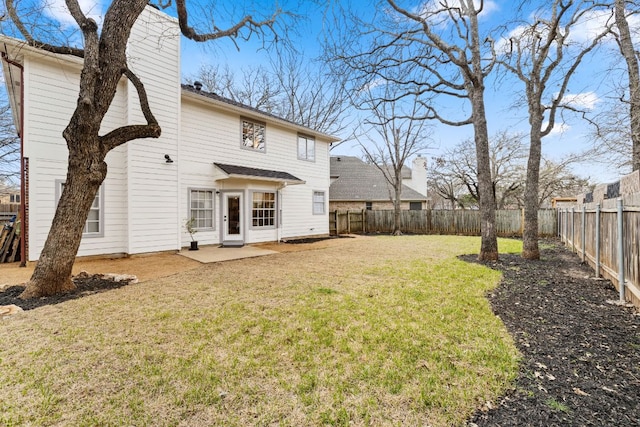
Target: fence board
(463, 222)
(571, 229)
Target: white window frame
(306, 140)
(316, 203)
(252, 147)
(100, 209)
(198, 219)
(253, 209)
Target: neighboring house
(358, 185)
(243, 175)
(9, 196)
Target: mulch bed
(86, 284)
(580, 354)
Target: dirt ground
(580, 353)
(144, 267)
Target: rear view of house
(240, 175)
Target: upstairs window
(306, 148)
(253, 135)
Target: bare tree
(544, 57)
(287, 87)
(104, 65)
(389, 137)
(441, 51)
(9, 148)
(557, 180)
(455, 177)
(253, 86)
(630, 55)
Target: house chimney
(197, 85)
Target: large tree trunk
(52, 274)
(626, 48)
(530, 249)
(105, 63)
(397, 206)
(487, 204)
(489, 242)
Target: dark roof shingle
(357, 180)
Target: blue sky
(588, 89)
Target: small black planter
(194, 245)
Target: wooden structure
(10, 241)
(457, 222)
(607, 236)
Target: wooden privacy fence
(7, 211)
(607, 236)
(463, 222)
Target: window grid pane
(263, 211)
(202, 208)
(318, 202)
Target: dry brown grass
(365, 331)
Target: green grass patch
(375, 331)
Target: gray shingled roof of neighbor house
(356, 180)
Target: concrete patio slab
(215, 253)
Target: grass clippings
(374, 331)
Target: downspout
(23, 219)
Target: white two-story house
(243, 175)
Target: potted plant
(189, 225)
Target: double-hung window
(306, 148)
(253, 135)
(201, 208)
(263, 212)
(93, 227)
(318, 202)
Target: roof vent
(198, 85)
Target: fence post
(364, 222)
(573, 233)
(559, 223)
(620, 250)
(584, 232)
(597, 233)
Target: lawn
(371, 331)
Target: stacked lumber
(10, 241)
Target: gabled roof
(356, 180)
(241, 108)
